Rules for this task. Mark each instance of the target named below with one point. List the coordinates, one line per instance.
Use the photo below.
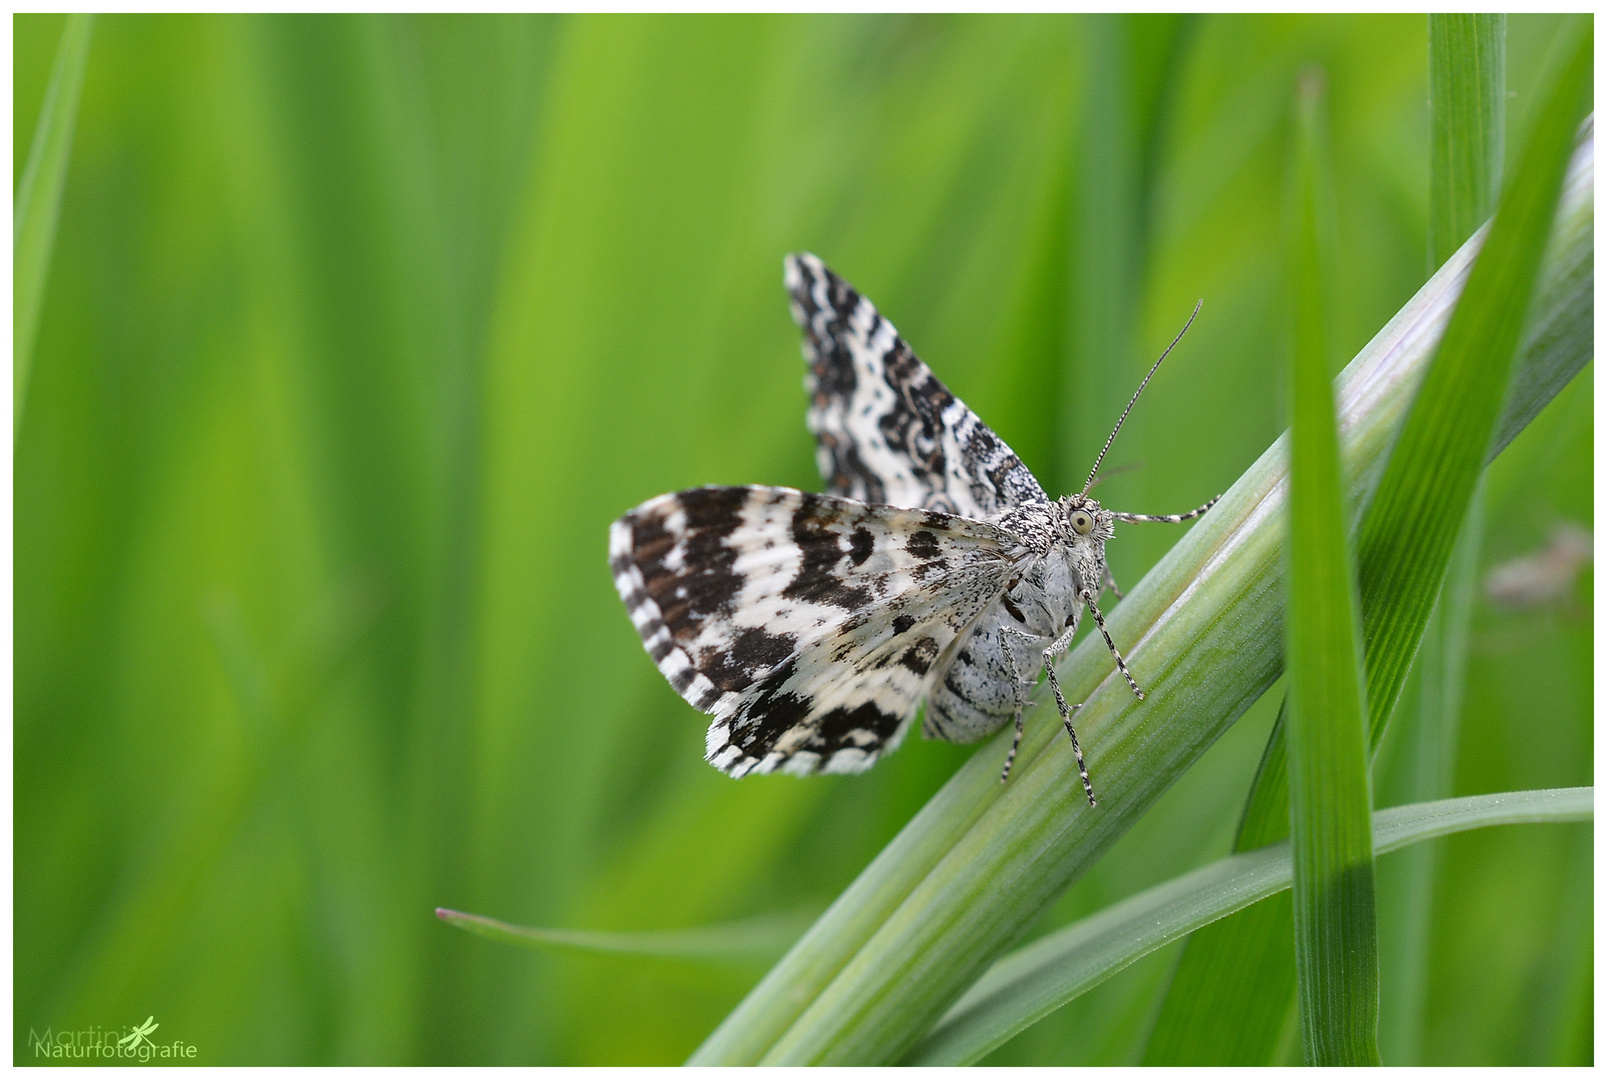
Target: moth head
(1083, 521)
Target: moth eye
(1082, 522)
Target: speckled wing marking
(889, 431)
(810, 626)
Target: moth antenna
(1095, 470)
(1102, 477)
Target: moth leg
(1060, 645)
(1021, 701)
(1167, 519)
(1110, 583)
(1099, 621)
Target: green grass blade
(1467, 119)
(971, 871)
(1467, 92)
(1422, 499)
(1410, 529)
(38, 201)
(1330, 797)
(1431, 752)
(760, 939)
(1035, 980)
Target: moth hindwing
(813, 627)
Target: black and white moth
(813, 626)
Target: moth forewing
(811, 626)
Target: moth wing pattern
(887, 429)
(810, 626)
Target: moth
(936, 569)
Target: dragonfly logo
(139, 1035)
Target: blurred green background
(360, 330)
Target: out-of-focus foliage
(359, 331)
(38, 198)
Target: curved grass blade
(1032, 982)
(757, 940)
(971, 871)
(1456, 425)
(1330, 796)
(38, 201)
